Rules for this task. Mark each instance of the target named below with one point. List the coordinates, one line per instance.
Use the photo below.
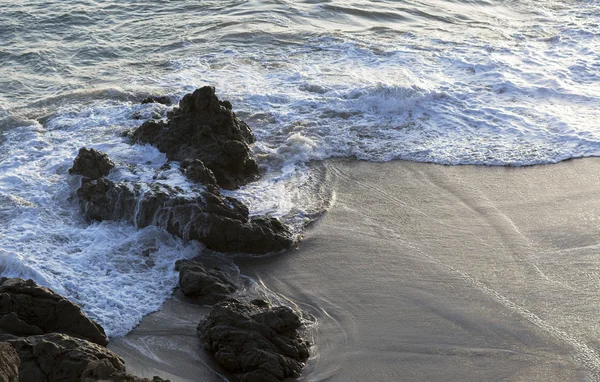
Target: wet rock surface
(206, 129)
(91, 164)
(27, 308)
(163, 100)
(206, 284)
(46, 338)
(255, 343)
(9, 363)
(58, 357)
(221, 223)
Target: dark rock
(205, 128)
(12, 324)
(9, 363)
(221, 223)
(36, 307)
(58, 357)
(209, 285)
(103, 370)
(260, 303)
(91, 164)
(164, 100)
(196, 171)
(256, 344)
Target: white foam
(116, 272)
(518, 87)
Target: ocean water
(509, 82)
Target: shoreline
(434, 272)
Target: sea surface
(507, 83)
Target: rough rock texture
(208, 285)
(9, 363)
(196, 171)
(204, 128)
(257, 344)
(27, 308)
(91, 164)
(103, 370)
(58, 357)
(221, 223)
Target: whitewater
(507, 83)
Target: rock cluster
(219, 222)
(255, 341)
(212, 145)
(257, 344)
(205, 129)
(46, 338)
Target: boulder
(91, 164)
(58, 357)
(204, 128)
(202, 283)
(257, 344)
(27, 308)
(221, 223)
(9, 363)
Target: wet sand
(422, 272)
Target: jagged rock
(164, 100)
(58, 357)
(209, 285)
(9, 363)
(221, 223)
(206, 129)
(91, 164)
(196, 171)
(257, 344)
(27, 308)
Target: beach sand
(424, 272)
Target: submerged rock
(9, 363)
(27, 308)
(206, 284)
(205, 129)
(221, 223)
(91, 164)
(258, 344)
(164, 100)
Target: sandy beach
(424, 272)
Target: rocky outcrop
(9, 363)
(59, 357)
(206, 129)
(91, 164)
(46, 338)
(208, 285)
(221, 223)
(28, 309)
(257, 344)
